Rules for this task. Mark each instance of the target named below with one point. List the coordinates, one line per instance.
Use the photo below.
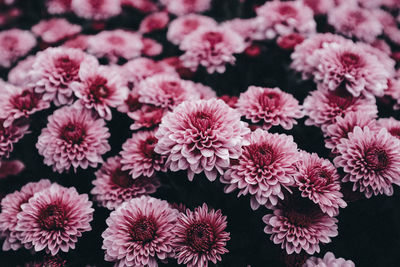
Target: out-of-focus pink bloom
(145, 6)
(14, 43)
(391, 125)
(205, 91)
(328, 260)
(12, 167)
(80, 41)
(290, 41)
(319, 6)
(253, 50)
(383, 57)
(151, 48)
(183, 7)
(148, 116)
(19, 75)
(58, 6)
(55, 30)
(153, 22)
(11, 135)
(49, 261)
(249, 29)
(177, 64)
(230, 100)
(96, 9)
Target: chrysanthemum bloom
(354, 21)
(183, 7)
(201, 135)
(166, 91)
(182, 26)
(55, 69)
(350, 66)
(140, 232)
(19, 102)
(96, 9)
(318, 180)
(73, 137)
(113, 186)
(370, 160)
(323, 107)
(99, 88)
(80, 41)
(270, 106)
(282, 18)
(148, 116)
(138, 156)
(200, 237)
(55, 29)
(345, 125)
(299, 224)
(145, 6)
(153, 22)
(263, 169)
(11, 206)
(327, 261)
(58, 6)
(392, 126)
(248, 28)
(319, 6)
(211, 47)
(19, 75)
(14, 43)
(290, 41)
(11, 167)
(54, 218)
(11, 135)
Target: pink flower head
(10, 135)
(113, 186)
(182, 26)
(323, 107)
(249, 28)
(319, 6)
(350, 66)
(391, 125)
(73, 137)
(201, 135)
(318, 180)
(290, 41)
(54, 218)
(298, 224)
(211, 47)
(55, 69)
(345, 125)
(153, 22)
(148, 116)
(58, 6)
(183, 7)
(263, 169)
(80, 41)
(140, 232)
(11, 206)
(19, 75)
(138, 156)
(353, 21)
(99, 88)
(270, 106)
(166, 91)
(370, 160)
(282, 18)
(96, 9)
(14, 44)
(145, 6)
(328, 260)
(115, 44)
(55, 30)
(206, 92)
(151, 48)
(200, 237)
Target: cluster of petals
(153, 22)
(391, 125)
(183, 7)
(328, 260)
(319, 7)
(58, 6)
(270, 107)
(248, 28)
(19, 75)
(96, 10)
(55, 30)
(14, 44)
(144, 6)
(10, 135)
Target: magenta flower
(10, 135)
(263, 169)
(55, 30)
(14, 44)
(370, 160)
(140, 232)
(200, 237)
(269, 106)
(54, 218)
(328, 260)
(202, 135)
(96, 10)
(139, 157)
(183, 7)
(113, 186)
(73, 137)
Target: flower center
(377, 159)
(143, 230)
(213, 38)
(121, 178)
(98, 89)
(395, 132)
(350, 60)
(27, 100)
(202, 121)
(133, 103)
(67, 67)
(287, 10)
(200, 236)
(269, 100)
(341, 99)
(73, 133)
(53, 217)
(261, 155)
(147, 147)
(96, 3)
(319, 176)
(357, 17)
(115, 40)
(191, 24)
(8, 42)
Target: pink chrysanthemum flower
(151, 48)
(19, 102)
(58, 6)
(55, 69)
(113, 186)
(202, 135)
(148, 116)
(290, 41)
(153, 22)
(73, 137)
(351, 67)
(140, 232)
(300, 225)
(19, 75)
(200, 237)
(11, 206)
(391, 125)
(319, 6)
(182, 26)
(282, 18)
(99, 88)
(327, 261)
(96, 9)
(138, 156)
(54, 218)
(115, 44)
(249, 28)
(14, 43)
(263, 169)
(55, 30)
(211, 47)
(80, 41)
(270, 106)
(183, 7)
(354, 21)
(323, 107)
(11, 135)
(166, 91)
(318, 180)
(345, 125)
(370, 160)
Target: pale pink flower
(19, 75)
(14, 44)
(329, 260)
(151, 48)
(183, 7)
(80, 41)
(391, 125)
(55, 30)
(319, 6)
(58, 6)
(153, 22)
(249, 28)
(96, 9)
